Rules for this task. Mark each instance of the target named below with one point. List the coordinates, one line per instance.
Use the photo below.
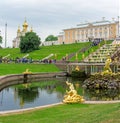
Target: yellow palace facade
(99, 30)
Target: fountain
(49, 91)
(105, 79)
(71, 95)
(101, 54)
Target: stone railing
(24, 78)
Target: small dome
(25, 24)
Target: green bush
(78, 74)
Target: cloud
(51, 16)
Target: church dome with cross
(20, 33)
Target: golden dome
(25, 24)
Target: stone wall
(24, 78)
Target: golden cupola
(18, 31)
(25, 26)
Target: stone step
(108, 49)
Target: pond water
(48, 92)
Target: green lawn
(20, 68)
(59, 50)
(72, 113)
(89, 51)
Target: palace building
(20, 33)
(90, 31)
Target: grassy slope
(89, 51)
(44, 51)
(73, 113)
(60, 50)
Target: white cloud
(51, 16)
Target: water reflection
(32, 94)
(48, 92)
(27, 95)
(103, 95)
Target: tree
(29, 42)
(0, 39)
(51, 38)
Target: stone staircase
(116, 54)
(102, 53)
(62, 64)
(116, 59)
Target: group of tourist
(25, 60)
(96, 42)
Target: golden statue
(76, 55)
(55, 56)
(27, 72)
(83, 56)
(107, 68)
(77, 68)
(71, 95)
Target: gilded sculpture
(107, 68)
(27, 71)
(71, 95)
(77, 68)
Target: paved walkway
(101, 102)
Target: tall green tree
(51, 38)
(29, 42)
(0, 39)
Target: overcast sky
(52, 16)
